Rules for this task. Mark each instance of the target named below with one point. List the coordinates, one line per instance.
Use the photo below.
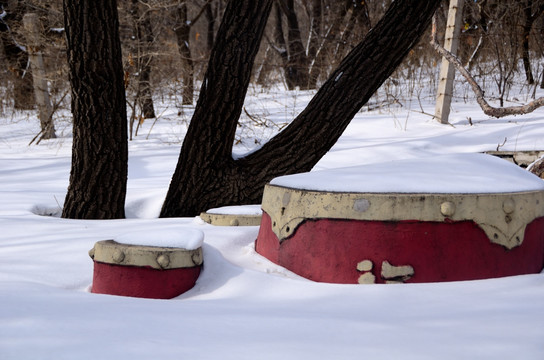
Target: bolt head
(447, 208)
(163, 260)
(118, 256)
(508, 206)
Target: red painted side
(142, 282)
(328, 250)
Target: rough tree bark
(100, 152)
(207, 176)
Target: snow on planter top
(441, 174)
(237, 210)
(239, 215)
(183, 238)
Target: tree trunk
(359, 16)
(525, 33)
(205, 164)
(41, 90)
(444, 93)
(483, 29)
(297, 63)
(100, 152)
(279, 38)
(207, 176)
(183, 31)
(319, 63)
(17, 57)
(210, 26)
(315, 40)
(529, 19)
(144, 39)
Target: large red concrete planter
(144, 271)
(376, 237)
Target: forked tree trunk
(100, 152)
(207, 176)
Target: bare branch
(484, 105)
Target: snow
(178, 237)
(243, 306)
(441, 174)
(237, 210)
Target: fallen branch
(484, 105)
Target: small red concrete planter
(157, 272)
(380, 237)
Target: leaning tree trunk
(207, 176)
(100, 152)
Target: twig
(256, 121)
(501, 145)
(156, 119)
(49, 121)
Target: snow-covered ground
(243, 306)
